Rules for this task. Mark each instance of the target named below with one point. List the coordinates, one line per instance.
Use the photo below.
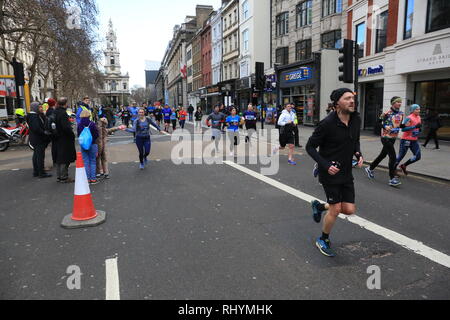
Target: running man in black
(337, 138)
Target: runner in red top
(182, 117)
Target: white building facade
(255, 39)
(216, 61)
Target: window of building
(303, 50)
(225, 24)
(113, 61)
(245, 40)
(381, 39)
(235, 16)
(438, 16)
(245, 10)
(236, 46)
(282, 23)
(332, 40)
(409, 18)
(330, 7)
(189, 55)
(236, 75)
(124, 86)
(304, 13)
(361, 37)
(225, 73)
(282, 56)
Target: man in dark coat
(50, 116)
(39, 139)
(65, 142)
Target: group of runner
(393, 123)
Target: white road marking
(407, 243)
(112, 279)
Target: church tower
(116, 87)
(112, 54)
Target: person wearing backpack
(87, 137)
(141, 127)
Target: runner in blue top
(166, 112)
(174, 118)
(141, 128)
(233, 122)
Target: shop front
(244, 91)
(212, 96)
(300, 86)
(228, 92)
(426, 66)
(435, 96)
(372, 95)
(8, 96)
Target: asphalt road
(213, 232)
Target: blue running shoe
(316, 171)
(324, 247)
(394, 182)
(293, 163)
(141, 166)
(317, 214)
(370, 174)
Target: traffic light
(18, 72)
(260, 81)
(346, 60)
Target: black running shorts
(338, 193)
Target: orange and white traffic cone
(84, 213)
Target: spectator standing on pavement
(198, 119)
(191, 112)
(90, 155)
(39, 138)
(411, 128)
(109, 115)
(434, 123)
(391, 122)
(84, 106)
(65, 142)
(337, 138)
(102, 143)
(51, 117)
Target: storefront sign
(371, 71)
(213, 90)
(299, 75)
(423, 57)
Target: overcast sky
(144, 28)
